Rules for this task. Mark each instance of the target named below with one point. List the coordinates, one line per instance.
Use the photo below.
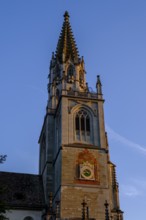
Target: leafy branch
(3, 158)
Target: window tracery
(82, 126)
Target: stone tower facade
(74, 155)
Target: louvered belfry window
(82, 126)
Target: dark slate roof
(22, 191)
(66, 46)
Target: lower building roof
(21, 191)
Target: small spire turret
(99, 87)
(85, 210)
(57, 210)
(51, 202)
(115, 184)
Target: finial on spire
(98, 79)
(66, 16)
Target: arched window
(82, 126)
(28, 218)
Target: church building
(76, 179)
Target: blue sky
(111, 35)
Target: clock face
(87, 172)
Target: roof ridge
(31, 174)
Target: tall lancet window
(82, 126)
(70, 73)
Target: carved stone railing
(82, 94)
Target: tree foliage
(2, 158)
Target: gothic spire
(66, 47)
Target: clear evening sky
(111, 35)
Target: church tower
(74, 156)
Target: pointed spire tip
(66, 15)
(98, 79)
